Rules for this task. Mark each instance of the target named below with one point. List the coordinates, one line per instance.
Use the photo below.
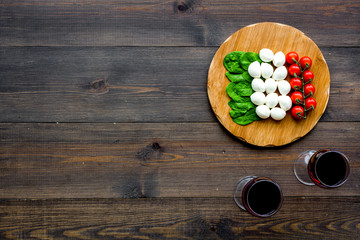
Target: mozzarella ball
(271, 100)
(285, 102)
(279, 59)
(257, 98)
(255, 69)
(284, 87)
(280, 73)
(266, 70)
(277, 113)
(263, 111)
(270, 85)
(258, 85)
(266, 55)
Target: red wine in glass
(325, 168)
(329, 168)
(260, 196)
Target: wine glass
(325, 168)
(259, 196)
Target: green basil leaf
(232, 102)
(244, 89)
(232, 62)
(230, 90)
(238, 90)
(235, 77)
(236, 113)
(246, 76)
(239, 109)
(249, 117)
(247, 58)
(245, 105)
(244, 92)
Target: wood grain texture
(141, 155)
(277, 37)
(178, 218)
(155, 160)
(140, 84)
(168, 23)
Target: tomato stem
(301, 116)
(310, 108)
(295, 61)
(299, 101)
(310, 80)
(309, 95)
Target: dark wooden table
(107, 133)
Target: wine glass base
(301, 167)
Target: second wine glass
(325, 168)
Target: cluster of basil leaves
(239, 89)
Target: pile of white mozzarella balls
(271, 104)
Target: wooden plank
(132, 160)
(168, 23)
(177, 218)
(135, 84)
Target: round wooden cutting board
(277, 37)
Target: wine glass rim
(346, 176)
(259, 180)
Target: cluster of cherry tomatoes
(303, 90)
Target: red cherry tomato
(308, 75)
(296, 83)
(298, 112)
(294, 69)
(310, 103)
(291, 56)
(297, 97)
(305, 62)
(309, 89)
